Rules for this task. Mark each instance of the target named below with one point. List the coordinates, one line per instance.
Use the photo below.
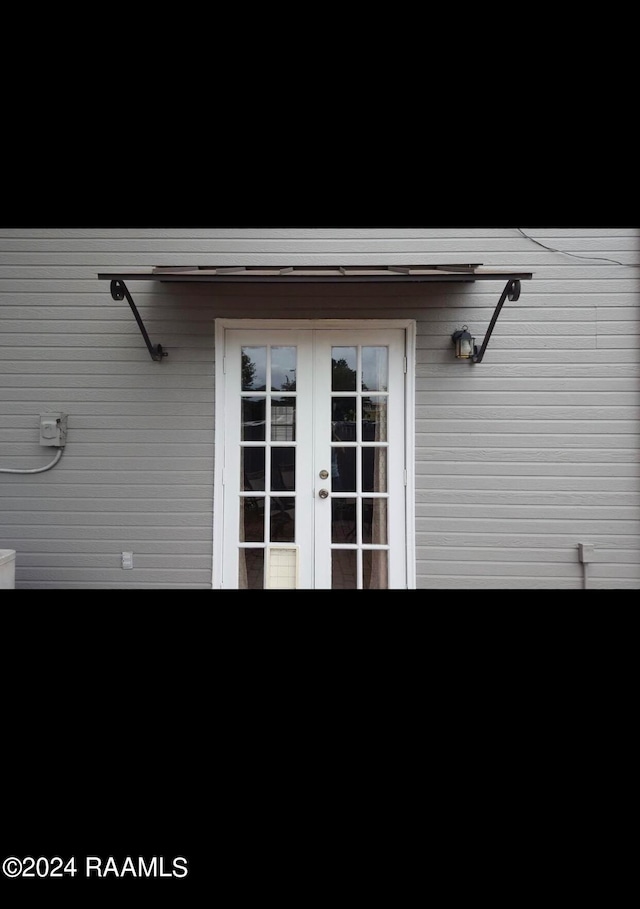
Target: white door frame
(221, 326)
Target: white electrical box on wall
(586, 551)
(53, 429)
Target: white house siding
(518, 459)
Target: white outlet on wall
(127, 560)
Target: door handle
(323, 493)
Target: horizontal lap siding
(518, 459)
(537, 449)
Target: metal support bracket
(512, 291)
(119, 291)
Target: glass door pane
(358, 464)
(359, 419)
(268, 401)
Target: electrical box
(53, 429)
(586, 552)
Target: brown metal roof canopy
(336, 274)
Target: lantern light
(464, 342)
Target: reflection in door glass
(374, 569)
(251, 520)
(283, 419)
(343, 419)
(374, 469)
(374, 419)
(343, 368)
(251, 569)
(344, 569)
(343, 520)
(375, 368)
(283, 519)
(343, 469)
(252, 469)
(253, 416)
(283, 469)
(283, 369)
(254, 368)
(374, 520)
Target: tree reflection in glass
(254, 368)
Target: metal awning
(334, 274)
(232, 274)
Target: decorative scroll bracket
(119, 291)
(512, 291)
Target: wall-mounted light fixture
(465, 344)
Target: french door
(314, 470)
